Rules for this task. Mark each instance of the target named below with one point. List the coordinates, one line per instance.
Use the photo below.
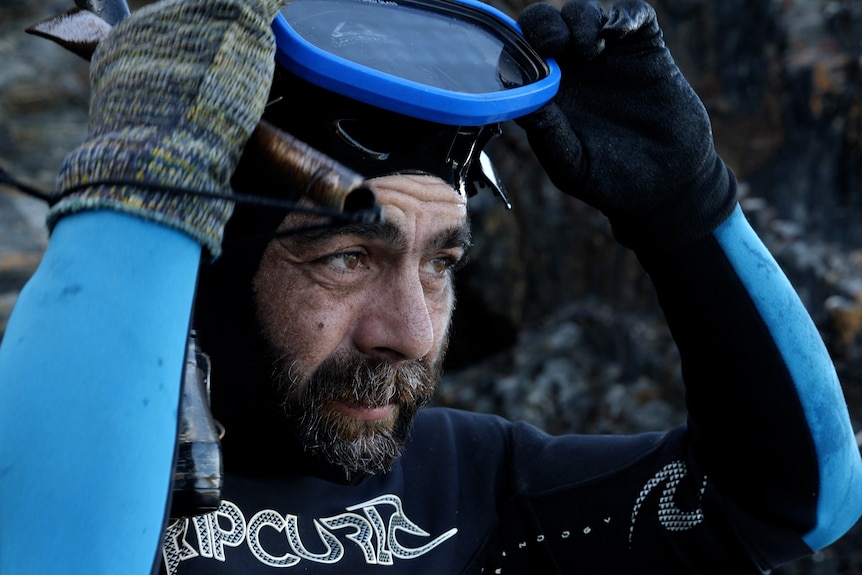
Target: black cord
(365, 215)
(10, 180)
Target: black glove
(626, 133)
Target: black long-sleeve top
(765, 470)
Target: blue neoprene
(808, 362)
(90, 372)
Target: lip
(367, 413)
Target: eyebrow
(458, 236)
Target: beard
(316, 406)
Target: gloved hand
(626, 133)
(177, 89)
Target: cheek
(274, 310)
(440, 310)
(296, 321)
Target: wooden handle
(308, 172)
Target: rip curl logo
(376, 528)
(670, 516)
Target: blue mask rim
(412, 98)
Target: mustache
(361, 381)
(373, 384)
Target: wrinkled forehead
(421, 198)
(427, 215)
(420, 213)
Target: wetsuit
(764, 471)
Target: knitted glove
(177, 89)
(626, 133)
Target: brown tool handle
(308, 172)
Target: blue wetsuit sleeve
(767, 415)
(838, 464)
(90, 372)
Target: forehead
(423, 209)
(419, 199)
(420, 212)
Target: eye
(344, 261)
(442, 265)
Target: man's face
(357, 319)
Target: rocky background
(556, 324)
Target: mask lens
(433, 48)
(456, 62)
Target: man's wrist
(685, 217)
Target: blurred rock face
(43, 113)
(556, 324)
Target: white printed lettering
(400, 522)
(334, 549)
(175, 548)
(370, 527)
(268, 518)
(669, 515)
(232, 534)
(384, 556)
(361, 535)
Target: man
(326, 341)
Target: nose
(398, 322)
